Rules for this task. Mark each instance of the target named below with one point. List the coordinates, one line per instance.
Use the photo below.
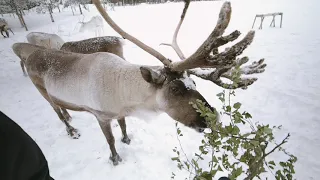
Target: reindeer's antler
(174, 43)
(207, 55)
(218, 64)
(215, 74)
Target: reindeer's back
(42, 61)
(23, 50)
(52, 41)
(76, 78)
(111, 44)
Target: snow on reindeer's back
(45, 39)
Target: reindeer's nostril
(200, 129)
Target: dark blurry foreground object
(20, 156)
(223, 178)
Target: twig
(177, 135)
(277, 146)
(243, 138)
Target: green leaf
(235, 130)
(187, 164)
(247, 115)
(220, 94)
(175, 159)
(237, 105)
(272, 163)
(195, 163)
(214, 159)
(238, 171)
(254, 142)
(213, 172)
(246, 135)
(228, 108)
(267, 130)
(283, 164)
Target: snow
(287, 93)
(188, 82)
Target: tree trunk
(50, 6)
(20, 17)
(23, 22)
(72, 10)
(50, 12)
(59, 8)
(80, 9)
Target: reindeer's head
(175, 89)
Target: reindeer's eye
(175, 90)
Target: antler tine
(199, 58)
(174, 43)
(214, 75)
(125, 35)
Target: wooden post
(281, 20)
(254, 21)
(262, 18)
(272, 24)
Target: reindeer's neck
(129, 91)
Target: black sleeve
(20, 156)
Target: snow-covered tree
(16, 6)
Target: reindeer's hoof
(73, 133)
(115, 159)
(126, 140)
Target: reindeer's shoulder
(108, 59)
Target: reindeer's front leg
(22, 67)
(125, 138)
(107, 131)
(2, 33)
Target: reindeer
(4, 27)
(51, 41)
(111, 44)
(94, 24)
(110, 87)
(23, 50)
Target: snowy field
(287, 93)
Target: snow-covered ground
(286, 94)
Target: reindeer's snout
(202, 124)
(200, 130)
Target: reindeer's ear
(152, 76)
